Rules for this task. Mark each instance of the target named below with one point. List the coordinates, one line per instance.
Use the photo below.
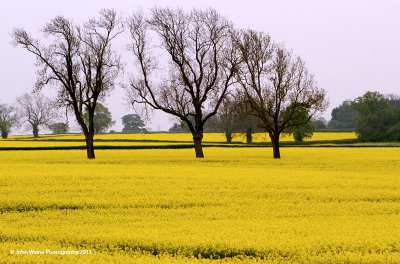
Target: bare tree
(276, 85)
(79, 61)
(201, 64)
(229, 117)
(8, 118)
(36, 110)
(233, 117)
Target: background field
(314, 205)
(155, 138)
(179, 141)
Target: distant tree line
(343, 118)
(37, 112)
(375, 117)
(378, 117)
(34, 110)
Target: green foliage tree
(102, 119)
(5, 129)
(59, 128)
(377, 119)
(302, 127)
(343, 117)
(319, 124)
(303, 131)
(394, 100)
(133, 124)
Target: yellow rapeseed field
(169, 138)
(43, 143)
(238, 205)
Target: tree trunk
(4, 134)
(89, 146)
(197, 138)
(249, 137)
(35, 130)
(228, 136)
(275, 147)
(90, 134)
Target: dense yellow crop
(316, 205)
(43, 143)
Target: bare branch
(277, 86)
(79, 62)
(202, 63)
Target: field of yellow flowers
(208, 137)
(238, 205)
(150, 139)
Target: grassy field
(315, 205)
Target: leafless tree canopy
(8, 113)
(276, 84)
(36, 110)
(79, 61)
(201, 64)
(8, 118)
(229, 117)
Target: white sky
(351, 46)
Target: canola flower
(315, 205)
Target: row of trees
(373, 116)
(230, 120)
(209, 62)
(38, 111)
(32, 109)
(195, 66)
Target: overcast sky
(351, 46)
